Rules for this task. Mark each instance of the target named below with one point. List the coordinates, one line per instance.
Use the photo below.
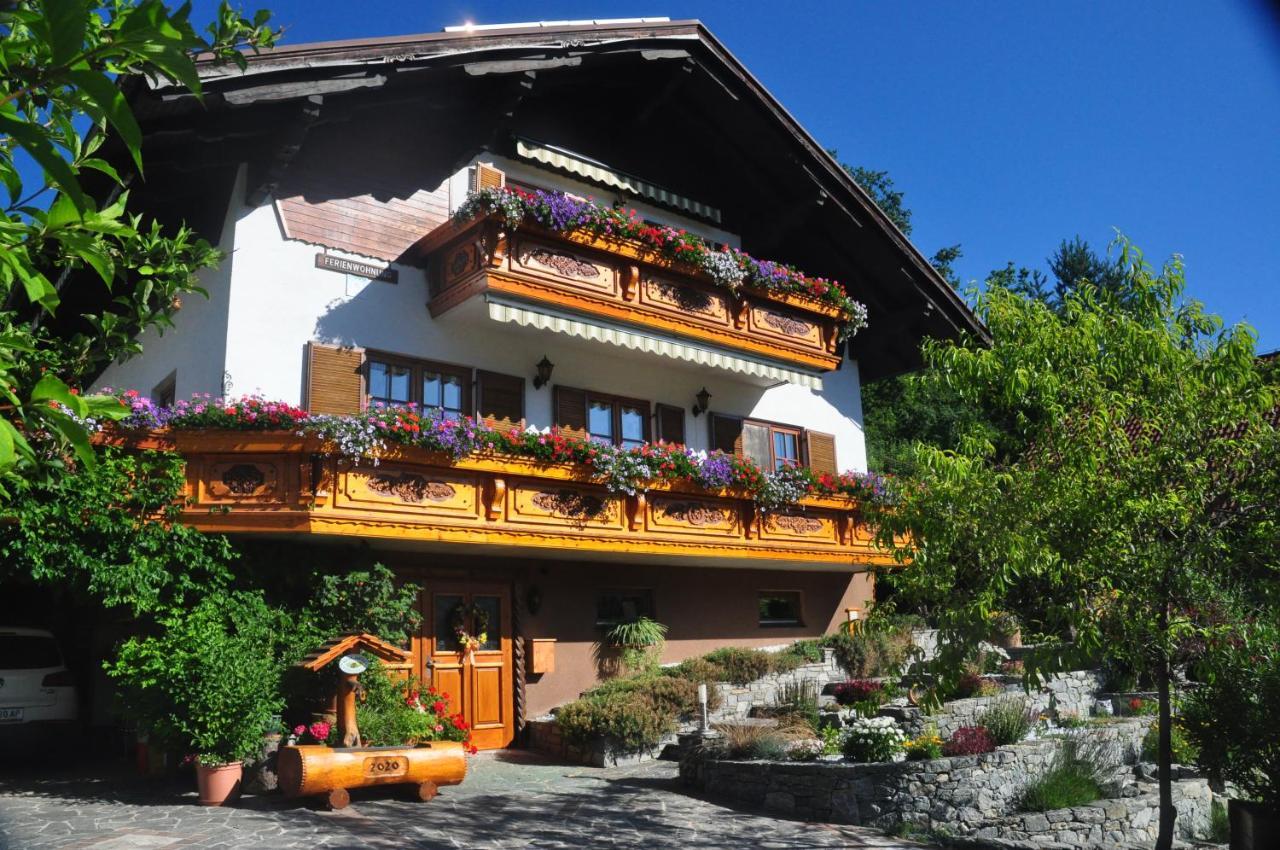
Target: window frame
(624, 592)
(797, 622)
(618, 402)
(417, 369)
(800, 433)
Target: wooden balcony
(275, 482)
(623, 282)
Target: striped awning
(599, 173)
(526, 315)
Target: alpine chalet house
(604, 242)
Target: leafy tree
(879, 185)
(1136, 491)
(111, 533)
(64, 62)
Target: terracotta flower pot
(219, 784)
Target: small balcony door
(479, 683)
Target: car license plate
(10, 714)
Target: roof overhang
(609, 92)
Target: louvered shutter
(821, 449)
(335, 379)
(726, 433)
(570, 410)
(487, 177)
(500, 399)
(670, 420)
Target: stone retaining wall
(961, 794)
(1066, 694)
(1110, 821)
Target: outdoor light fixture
(544, 373)
(702, 400)
(854, 618)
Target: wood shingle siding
(370, 205)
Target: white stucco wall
(256, 329)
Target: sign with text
(338, 264)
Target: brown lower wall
(703, 609)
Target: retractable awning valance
(528, 316)
(600, 173)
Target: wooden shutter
(488, 177)
(500, 399)
(335, 379)
(670, 421)
(726, 433)
(757, 444)
(570, 407)
(821, 449)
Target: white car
(35, 685)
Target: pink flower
(319, 730)
(439, 728)
(299, 729)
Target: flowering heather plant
(969, 741)
(727, 267)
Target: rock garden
(850, 729)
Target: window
(600, 420)
(166, 392)
(779, 608)
(438, 388)
(444, 391)
(786, 448)
(609, 419)
(623, 606)
(770, 445)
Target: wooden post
(347, 729)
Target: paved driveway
(509, 800)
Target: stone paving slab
(509, 800)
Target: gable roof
(613, 91)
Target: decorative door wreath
(458, 618)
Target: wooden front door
(480, 684)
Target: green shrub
(738, 665)
(1184, 750)
(809, 651)
(871, 651)
(785, 662)
(1008, 720)
(629, 719)
(873, 740)
(208, 682)
(1070, 781)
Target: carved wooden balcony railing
(623, 282)
(276, 482)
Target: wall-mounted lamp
(853, 617)
(701, 402)
(544, 373)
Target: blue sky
(1010, 126)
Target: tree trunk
(1164, 756)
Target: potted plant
(1006, 630)
(206, 682)
(1232, 718)
(639, 642)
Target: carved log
(310, 770)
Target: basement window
(623, 606)
(779, 608)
